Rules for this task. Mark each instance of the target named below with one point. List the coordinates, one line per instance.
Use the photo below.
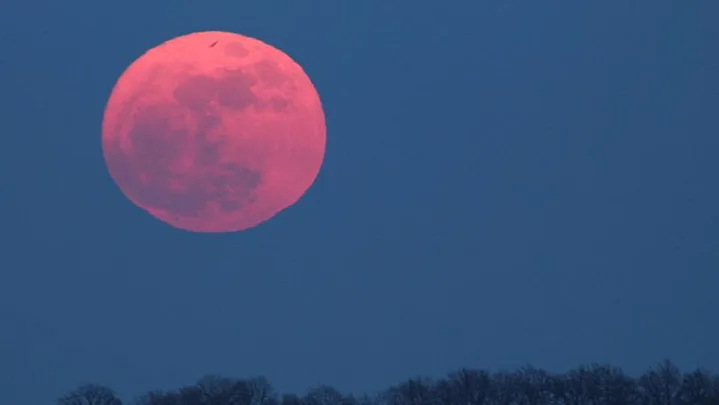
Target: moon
(213, 132)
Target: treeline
(596, 384)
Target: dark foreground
(663, 384)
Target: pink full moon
(213, 132)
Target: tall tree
(466, 387)
(218, 390)
(532, 386)
(325, 395)
(90, 394)
(415, 391)
(699, 388)
(661, 385)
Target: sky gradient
(505, 183)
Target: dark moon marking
(207, 151)
(208, 122)
(235, 92)
(279, 104)
(236, 50)
(235, 186)
(196, 92)
(269, 73)
(155, 141)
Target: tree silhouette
(661, 385)
(466, 387)
(594, 384)
(326, 395)
(417, 391)
(90, 394)
(700, 387)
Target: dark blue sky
(506, 182)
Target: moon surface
(213, 132)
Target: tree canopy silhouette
(596, 384)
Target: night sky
(505, 183)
